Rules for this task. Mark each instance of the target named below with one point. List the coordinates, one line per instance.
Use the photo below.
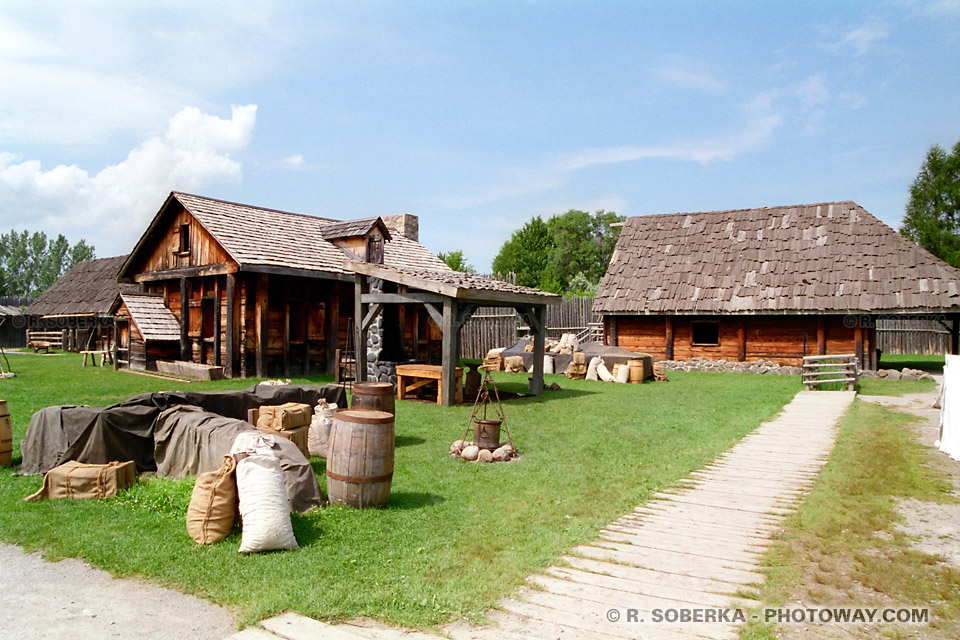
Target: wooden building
(263, 292)
(146, 331)
(774, 284)
(78, 304)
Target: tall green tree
(30, 264)
(932, 219)
(456, 261)
(568, 253)
(527, 254)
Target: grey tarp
(125, 431)
(190, 441)
(610, 355)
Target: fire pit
(485, 445)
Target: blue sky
(475, 116)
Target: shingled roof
(89, 288)
(151, 317)
(258, 237)
(832, 257)
(353, 228)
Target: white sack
(319, 435)
(263, 505)
(949, 441)
(604, 373)
(623, 374)
(595, 362)
(548, 364)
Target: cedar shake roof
(353, 228)
(89, 288)
(154, 320)
(258, 237)
(832, 257)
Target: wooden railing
(55, 338)
(818, 370)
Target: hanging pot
(486, 433)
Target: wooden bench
(40, 345)
(414, 376)
(105, 356)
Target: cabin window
(706, 334)
(184, 238)
(375, 250)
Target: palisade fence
(912, 335)
(493, 327)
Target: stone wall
(726, 366)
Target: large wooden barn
(259, 291)
(775, 283)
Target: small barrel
(6, 436)
(636, 371)
(360, 458)
(373, 396)
(486, 433)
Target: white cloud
(862, 39)
(112, 207)
(683, 73)
(294, 162)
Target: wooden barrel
(636, 371)
(6, 436)
(486, 433)
(373, 396)
(360, 458)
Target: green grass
(456, 536)
(912, 361)
(830, 553)
(879, 387)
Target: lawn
(456, 536)
(912, 361)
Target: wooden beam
(449, 360)
(301, 273)
(231, 328)
(185, 350)
(614, 340)
(742, 339)
(821, 336)
(286, 327)
(402, 298)
(668, 338)
(359, 335)
(262, 318)
(217, 360)
(304, 321)
(955, 335)
(872, 358)
(435, 313)
(858, 343)
(332, 320)
(372, 313)
(185, 272)
(539, 346)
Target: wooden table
(104, 357)
(414, 376)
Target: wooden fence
(493, 327)
(913, 336)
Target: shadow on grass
(408, 441)
(406, 500)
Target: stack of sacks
(290, 420)
(577, 369)
(494, 360)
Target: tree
(932, 219)
(456, 261)
(526, 253)
(30, 264)
(567, 254)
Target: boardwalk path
(697, 547)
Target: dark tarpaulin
(125, 431)
(190, 441)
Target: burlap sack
(514, 364)
(213, 505)
(85, 481)
(577, 369)
(285, 417)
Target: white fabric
(623, 374)
(604, 373)
(263, 505)
(548, 364)
(595, 362)
(949, 441)
(319, 434)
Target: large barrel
(373, 396)
(6, 436)
(636, 371)
(360, 458)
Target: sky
(474, 116)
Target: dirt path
(69, 599)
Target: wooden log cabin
(773, 284)
(258, 291)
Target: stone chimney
(405, 224)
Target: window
(375, 250)
(706, 333)
(184, 238)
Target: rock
(553, 386)
(868, 375)
(893, 375)
(503, 454)
(457, 447)
(909, 375)
(470, 453)
(485, 455)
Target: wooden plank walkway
(695, 548)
